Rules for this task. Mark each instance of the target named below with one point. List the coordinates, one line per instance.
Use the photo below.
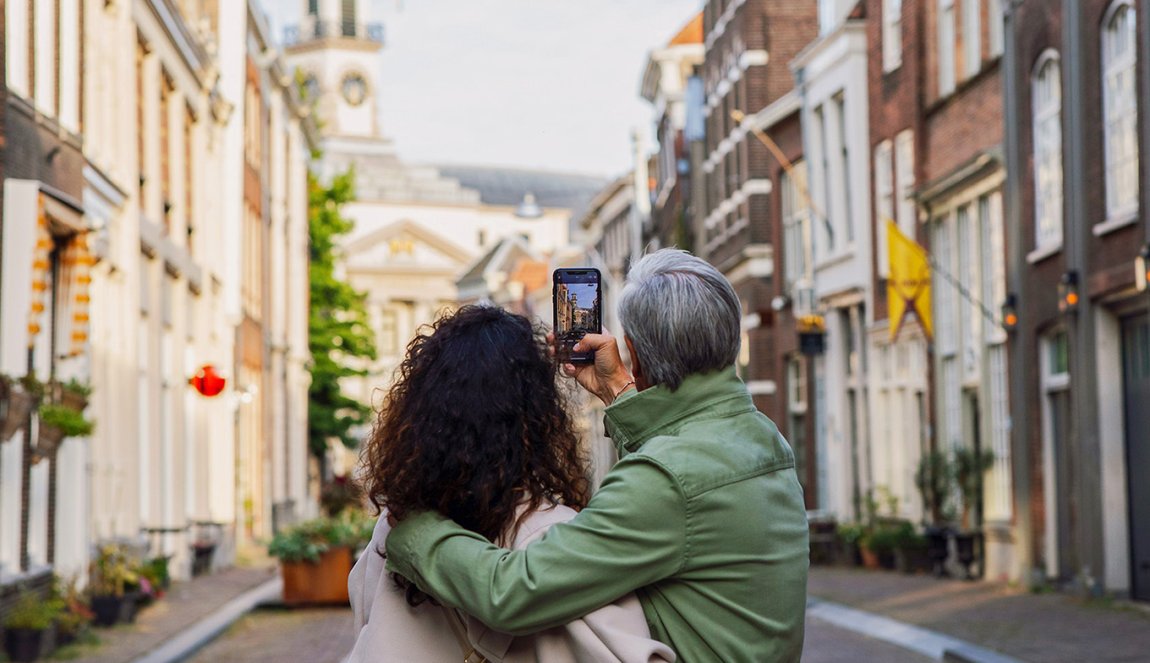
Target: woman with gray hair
(702, 516)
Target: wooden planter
(318, 583)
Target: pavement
(853, 615)
(980, 621)
(186, 606)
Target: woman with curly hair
(475, 428)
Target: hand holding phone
(576, 298)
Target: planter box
(320, 583)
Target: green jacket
(702, 517)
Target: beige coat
(389, 630)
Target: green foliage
(935, 481)
(33, 612)
(32, 386)
(79, 388)
(68, 420)
(112, 572)
(306, 541)
(906, 538)
(155, 571)
(881, 540)
(339, 334)
(75, 616)
(340, 494)
(850, 533)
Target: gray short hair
(682, 316)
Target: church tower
(336, 49)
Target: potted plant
(316, 558)
(910, 550)
(935, 481)
(848, 536)
(340, 494)
(112, 583)
(970, 465)
(17, 398)
(58, 422)
(75, 394)
(75, 616)
(26, 624)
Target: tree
(339, 335)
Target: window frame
(1049, 216)
(947, 48)
(1123, 66)
(884, 197)
(891, 35)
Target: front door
(1136, 370)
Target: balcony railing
(315, 30)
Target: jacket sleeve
(632, 534)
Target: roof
(476, 271)
(507, 186)
(692, 32)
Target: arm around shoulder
(632, 534)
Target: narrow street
(325, 636)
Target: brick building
(1076, 82)
(668, 82)
(748, 87)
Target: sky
(537, 84)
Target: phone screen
(578, 310)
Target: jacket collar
(655, 411)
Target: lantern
(208, 382)
(1068, 292)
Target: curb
(931, 644)
(182, 645)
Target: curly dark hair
(474, 425)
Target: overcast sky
(549, 84)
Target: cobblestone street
(325, 636)
(321, 635)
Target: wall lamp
(1010, 313)
(1142, 268)
(1068, 292)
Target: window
(388, 333)
(349, 21)
(993, 260)
(1047, 111)
(16, 41)
(189, 174)
(1120, 109)
(141, 121)
(823, 174)
(884, 203)
(946, 47)
(827, 16)
(45, 57)
(904, 181)
(796, 225)
(996, 26)
(313, 7)
(971, 37)
(843, 137)
(167, 92)
(891, 34)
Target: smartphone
(577, 300)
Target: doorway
(1136, 387)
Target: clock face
(354, 88)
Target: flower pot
(965, 544)
(49, 439)
(870, 558)
(318, 583)
(130, 607)
(73, 400)
(24, 644)
(108, 609)
(20, 405)
(202, 558)
(937, 549)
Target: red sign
(208, 382)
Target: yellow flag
(909, 283)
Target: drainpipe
(1021, 344)
(1144, 31)
(1084, 453)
